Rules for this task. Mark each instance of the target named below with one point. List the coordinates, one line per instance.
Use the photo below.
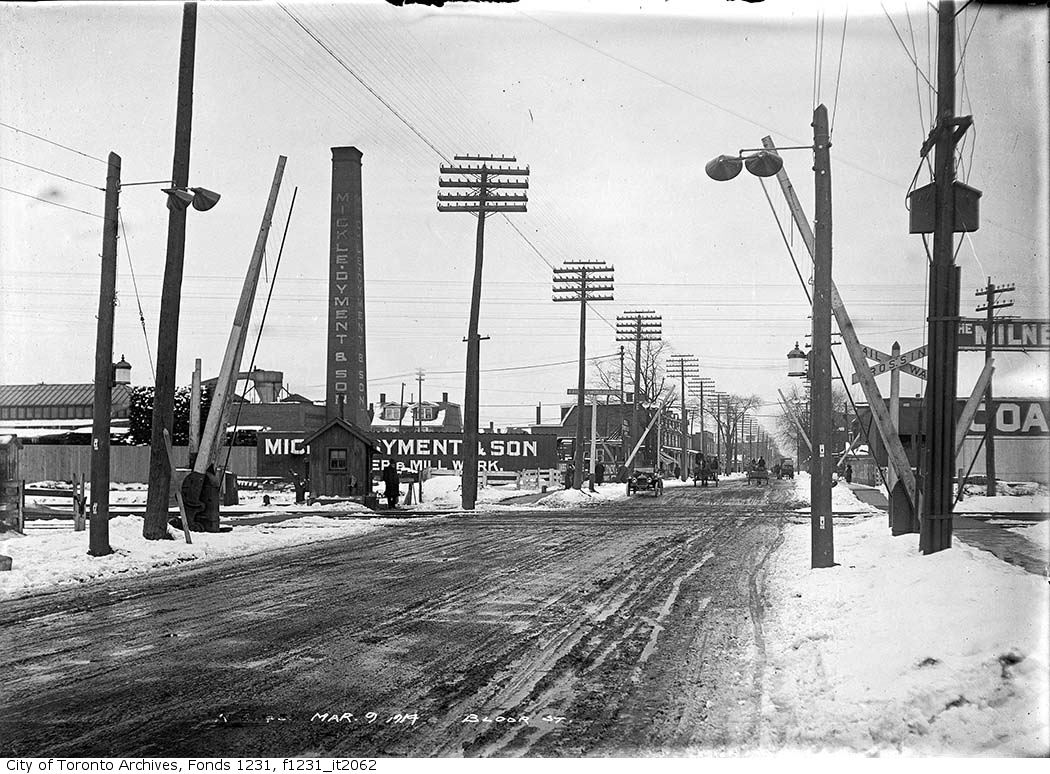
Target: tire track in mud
(528, 610)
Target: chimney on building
(539, 413)
(382, 398)
(444, 397)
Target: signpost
(885, 363)
(901, 511)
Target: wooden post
(178, 490)
(195, 411)
(895, 423)
(972, 403)
(594, 437)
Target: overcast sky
(615, 112)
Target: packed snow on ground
(1027, 503)
(57, 555)
(896, 652)
(843, 500)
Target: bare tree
(729, 414)
(652, 383)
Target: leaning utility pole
(680, 367)
(582, 281)
(98, 537)
(215, 426)
(638, 326)
(154, 525)
(989, 292)
(938, 498)
(481, 180)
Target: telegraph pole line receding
(698, 390)
(638, 326)
(480, 188)
(989, 292)
(582, 281)
(682, 367)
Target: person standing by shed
(393, 484)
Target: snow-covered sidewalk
(893, 651)
(57, 556)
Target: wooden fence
(127, 464)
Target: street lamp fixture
(797, 362)
(201, 198)
(760, 162)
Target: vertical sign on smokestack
(347, 380)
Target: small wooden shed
(341, 455)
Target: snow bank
(447, 492)
(55, 557)
(1037, 534)
(574, 498)
(843, 500)
(894, 651)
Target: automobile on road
(644, 480)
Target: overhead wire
(49, 172)
(48, 201)
(838, 75)
(52, 142)
(138, 298)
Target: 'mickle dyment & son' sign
(281, 452)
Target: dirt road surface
(629, 628)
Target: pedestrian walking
(599, 473)
(849, 474)
(570, 475)
(393, 484)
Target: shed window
(391, 413)
(425, 413)
(337, 459)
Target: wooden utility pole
(481, 180)
(155, 523)
(582, 281)
(420, 373)
(215, 427)
(990, 305)
(681, 367)
(638, 326)
(195, 412)
(822, 539)
(98, 537)
(700, 384)
(939, 458)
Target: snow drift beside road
(56, 557)
(843, 500)
(897, 651)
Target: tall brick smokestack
(347, 375)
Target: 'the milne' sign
(1007, 334)
(347, 379)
